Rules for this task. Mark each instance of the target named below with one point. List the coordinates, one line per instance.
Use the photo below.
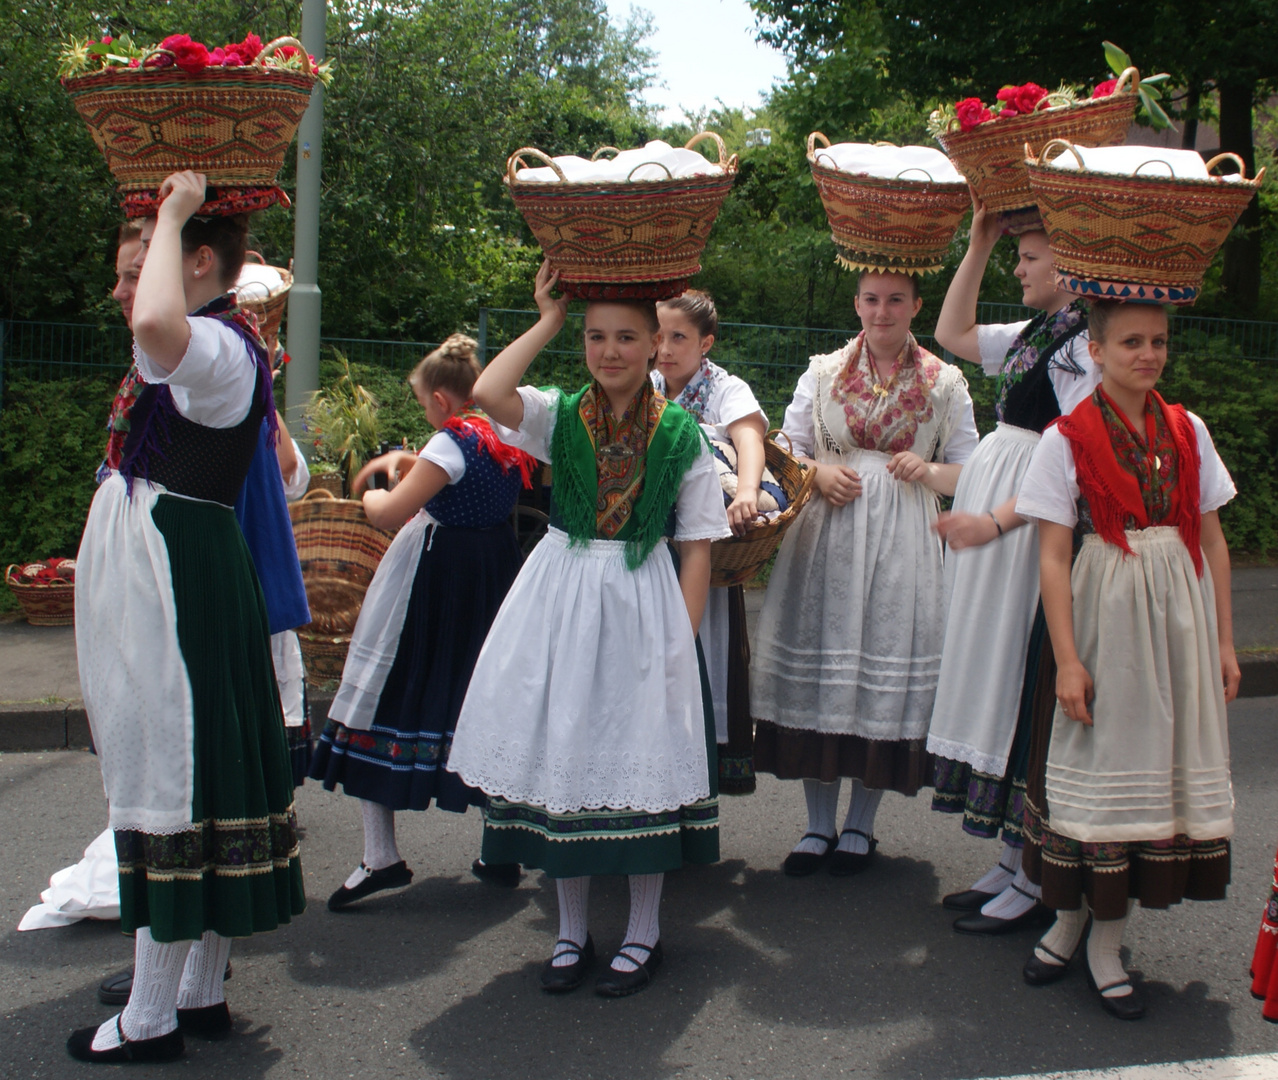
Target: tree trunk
(1189, 136)
(1240, 276)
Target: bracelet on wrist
(997, 524)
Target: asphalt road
(765, 976)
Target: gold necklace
(880, 386)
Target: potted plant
(342, 417)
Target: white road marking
(1251, 1067)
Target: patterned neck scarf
(1039, 336)
(695, 397)
(118, 421)
(620, 442)
(885, 414)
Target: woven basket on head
(47, 604)
(268, 309)
(992, 155)
(613, 240)
(234, 124)
(738, 559)
(1138, 237)
(339, 550)
(903, 224)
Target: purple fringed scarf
(148, 418)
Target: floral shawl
(1040, 334)
(886, 415)
(695, 397)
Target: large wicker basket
(992, 156)
(270, 309)
(1138, 237)
(622, 240)
(48, 604)
(903, 224)
(738, 559)
(234, 124)
(339, 550)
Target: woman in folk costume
(727, 408)
(1139, 804)
(849, 640)
(172, 637)
(424, 620)
(586, 721)
(980, 730)
(1264, 961)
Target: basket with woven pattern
(1138, 237)
(233, 124)
(626, 240)
(339, 550)
(903, 224)
(992, 155)
(46, 604)
(738, 559)
(269, 309)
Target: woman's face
(1035, 272)
(886, 305)
(127, 268)
(682, 347)
(1134, 352)
(619, 346)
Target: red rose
(217, 57)
(135, 62)
(1105, 89)
(246, 50)
(971, 113)
(107, 39)
(1022, 98)
(190, 56)
(1007, 112)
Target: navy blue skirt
(462, 577)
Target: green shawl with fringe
(673, 445)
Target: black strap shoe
(504, 874)
(987, 926)
(395, 876)
(803, 863)
(1125, 1006)
(847, 863)
(208, 1022)
(971, 900)
(167, 1047)
(614, 983)
(567, 977)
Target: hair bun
(459, 347)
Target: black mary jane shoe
(971, 900)
(167, 1047)
(613, 983)
(1125, 1007)
(505, 874)
(208, 1022)
(1043, 973)
(803, 863)
(847, 863)
(395, 876)
(567, 977)
(988, 926)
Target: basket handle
(644, 165)
(1155, 161)
(157, 51)
(517, 159)
(255, 255)
(780, 432)
(9, 574)
(603, 149)
(1055, 144)
(817, 161)
(318, 495)
(812, 144)
(1242, 168)
(913, 168)
(1130, 78)
(279, 43)
(701, 136)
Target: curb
(65, 727)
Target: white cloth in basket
(889, 162)
(1151, 161)
(644, 162)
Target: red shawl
(1113, 489)
(472, 422)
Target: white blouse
(994, 340)
(213, 382)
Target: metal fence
(770, 358)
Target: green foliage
(343, 417)
(51, 443)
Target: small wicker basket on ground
(47, 604)
(614, 240)
(738, 559)
(992, 155)
(234, 124)
(1138, 237)
(339, 550)
(903, 224)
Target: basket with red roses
(228, 112)
(45, 589)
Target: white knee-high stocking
(861, 811)
(644, 927)
(1018, 898)
(1063, 936)
(1104, 944)
(823, 805)
(380, 850)
(1000, 877)
(202, 983)
(152, 1008)
(574, 901)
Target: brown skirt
(1158, 873)
(791, 754)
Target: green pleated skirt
(236, 871)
